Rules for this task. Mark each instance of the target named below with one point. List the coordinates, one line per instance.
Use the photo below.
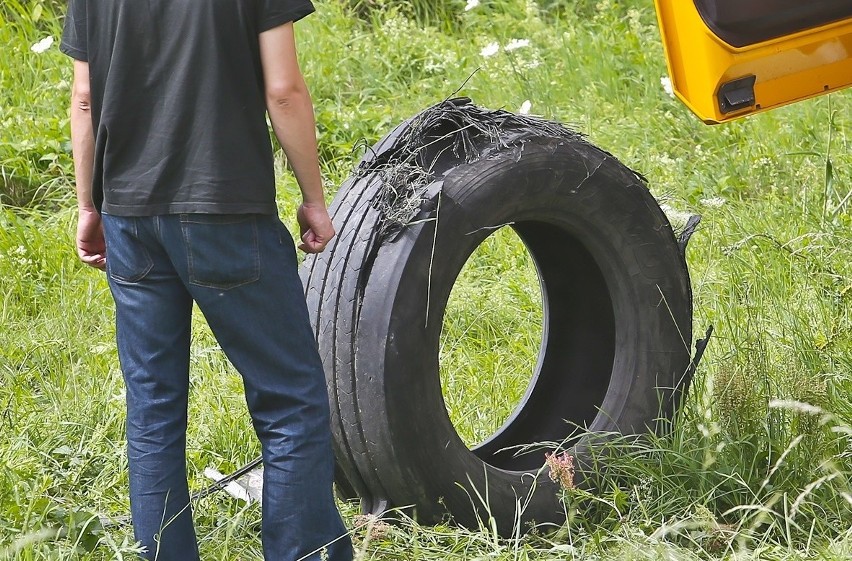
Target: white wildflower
(42, 45)
(528, 62)
(713, 202)
(18, 257)
(666, 160)
(525, 108)
(517, 44)
(438, 60)
(490, 49)
(471, 4)
(634, 19)
(666, 82)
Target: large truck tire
(617, 310)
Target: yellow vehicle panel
(720, 81)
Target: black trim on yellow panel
(747, 22)
(737, 94)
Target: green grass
(745, 473)
(34, 147)
(491, 336)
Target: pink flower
(561, 469)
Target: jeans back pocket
(128, 259)
(222, 249)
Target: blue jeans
(242, 272)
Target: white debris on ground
(248, 488)
(712, 202)
(678, 218)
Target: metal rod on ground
(222, 483)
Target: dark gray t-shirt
(178, 103)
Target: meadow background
(759, 464)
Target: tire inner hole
(527, 344)
(491, 336)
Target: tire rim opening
(562, 371)
(491, 336)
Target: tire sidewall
(412, 443)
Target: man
(176, 197)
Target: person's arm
(91, 247)
(292, 115)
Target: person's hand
(91, 247)
(315, 227)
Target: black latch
(737, 94)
